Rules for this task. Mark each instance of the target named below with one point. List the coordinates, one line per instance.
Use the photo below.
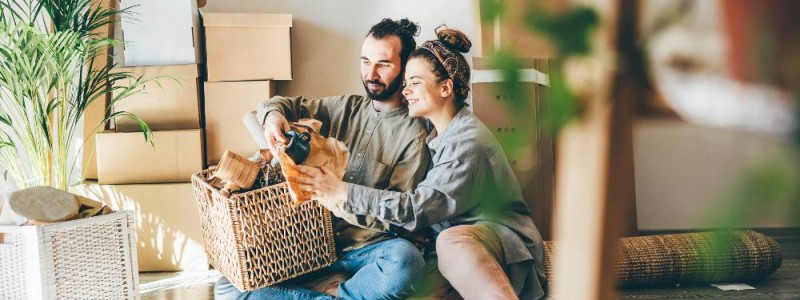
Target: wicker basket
(259, 238)
(91, 258)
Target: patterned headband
(453, 62)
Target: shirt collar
(436, 140)
(398, 111)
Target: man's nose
(373, 73)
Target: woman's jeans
(384, 270)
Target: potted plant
(49, 74)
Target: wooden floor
(783, 284)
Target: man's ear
(313, 123)
(446, 88)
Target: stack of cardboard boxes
(153, 180)
(164, 42)
(245, 54)
(534, 164)
(170, 106)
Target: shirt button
(360, 153)
(350, 177)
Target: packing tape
(526, 75)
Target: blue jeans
(384, 270)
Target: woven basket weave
(690, 258)
(259, 238)
(91, 258)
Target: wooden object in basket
(236, 172)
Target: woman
(488, 247)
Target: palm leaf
(7, 144)
(5, 120)
(49, 78)
(145, 129)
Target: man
(387, 151)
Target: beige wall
(327, 35)
(684, 170)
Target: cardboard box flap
(219, 19)
(183, 71)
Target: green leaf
(796, 130)
(570, 32)
(563, 105)
(490, 10)
(146, 131)
(5, 120)
(48, 79)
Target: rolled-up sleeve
(295, 108)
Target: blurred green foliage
(772, 183)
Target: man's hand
(329, 190)
(274, 127)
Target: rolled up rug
(704, 257)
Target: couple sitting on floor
(420, 162)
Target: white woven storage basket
(91, 258)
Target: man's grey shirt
(387, 151)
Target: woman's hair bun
(453, 39)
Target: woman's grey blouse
(470, 182)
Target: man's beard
(387, 93)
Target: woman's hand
(329, 190)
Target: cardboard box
(167, 220)
(225, 105)
(92, 116)
(96, 111)
(126, 157)
(509, 31)
(534, 164)
(247, 46)
(489, 102)
(160, 33)
(170, 102)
